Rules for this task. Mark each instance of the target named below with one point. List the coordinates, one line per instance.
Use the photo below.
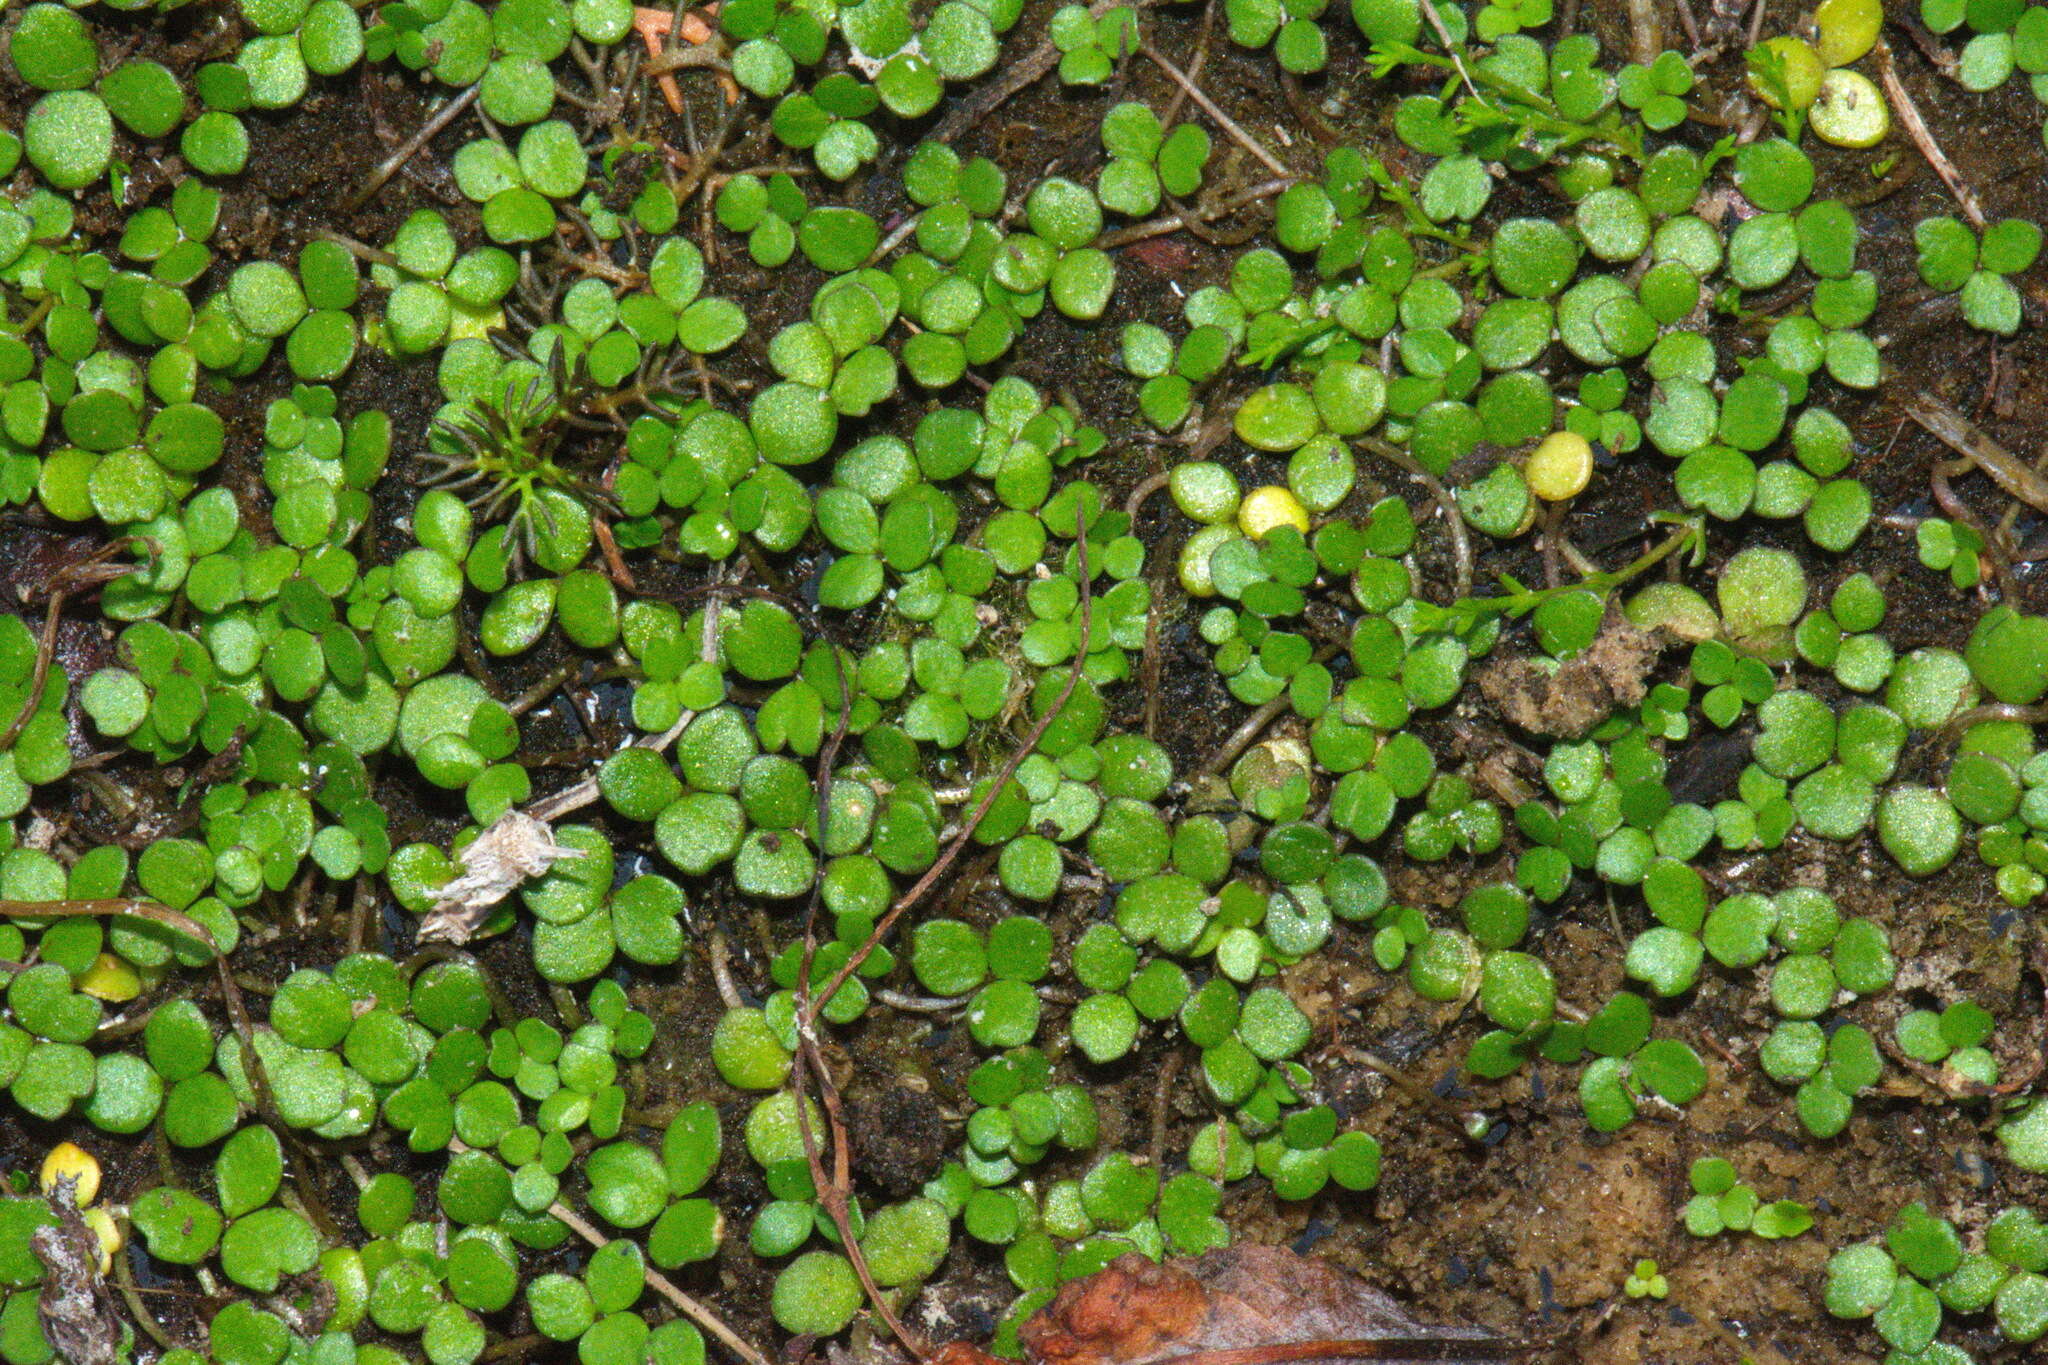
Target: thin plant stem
(691, 1308)
(68, 580)
(1454, 521)
(1257, 721)
(806, 1019)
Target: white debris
(513, 850)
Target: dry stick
(1967, 439)
(124, 1276)
(1149, 667)
(721, 971)
(2011, 518)
(1977, 451)
(360, 250)
(1304, 109)
(551, 808)
(692, 1308)
(806, 1019)
(441, 119)
(836, 1193)
(1195, 68)
(1553, 531)
(895, 238)
(1994, 543)
(1916, 129)
(1027, 71)
(1210, 107)
(1174, 222)
(1462, 1120)
(359, 908)
(1690, 25)
(920, 1004)
(1452, 50)
(540, 691)
(702, 161)
(1162, 1097)
(1646, 37)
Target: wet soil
(1530, 1230)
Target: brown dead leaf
(1246, 1305)
(1568, 700)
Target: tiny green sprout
(1091, 46)
(1645, 1280)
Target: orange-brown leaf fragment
(1249, 1301)
(1131, 1310)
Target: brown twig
(1182, 219)
(1957, 510)
(835, 1192)
(1305, 111)
(1967, 439)
(1021, 74)
(581, 794)
(1553, 532)
(1148, 667)
(1451, 50)
(362, 251)
(1463, 1121)
(1917, 130)
(720, 953)
(540, 691)
(1162, 1100)
(1354, 1348)
(1646, 37)
(124, 1278)
(1249, 730)
(443, 116)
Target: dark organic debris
(77, 1312)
